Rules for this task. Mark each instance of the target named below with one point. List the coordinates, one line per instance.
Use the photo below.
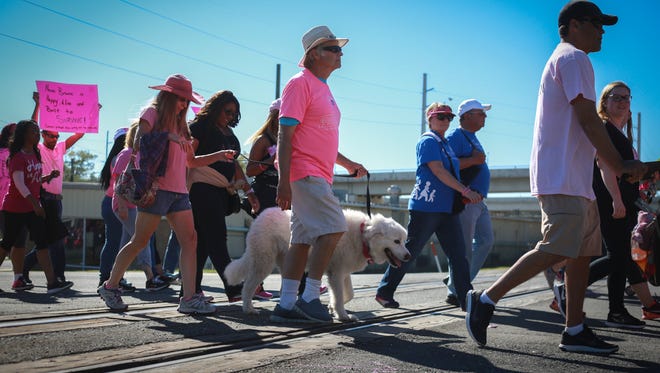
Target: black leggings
(617, 264)
(208, 206)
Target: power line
(93, 25)
(196, 29)
(254, 50)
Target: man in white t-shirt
(567, 135)
(52, 158)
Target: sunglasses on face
(50, 135)
(333, 49)
(620, 98)
(448, 117)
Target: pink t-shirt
(562, 158)
(4, 174)
(174, 179)
(121, 162)
(31, 167)
(315, 142)
(53, 159)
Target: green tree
(79, 166)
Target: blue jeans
(475, 220)
(422, 225)
(113, 233)
(171, 260)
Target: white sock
(574, 330)
(289, 293)
(484, 298)
(312, 290)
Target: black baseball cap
(577, 9)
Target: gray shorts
(315, 211)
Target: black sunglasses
(448, 117)
(332, 48)
(51, 135)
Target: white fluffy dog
(378, 239)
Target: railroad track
(244, 336)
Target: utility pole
(277, 81)
(424, 91)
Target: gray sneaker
(196, 305)
(314, 310)
(288, 316)
(112, 298)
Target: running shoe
(478, 317)
(196, 305)
(20, 284)
(112, 298)
(559, 289)
(651, 313)
(313, 310)
(156, 284)
(58, 286)
(283, 315)
(262, 294)
(387, 302)
(623, 320)
(586, 341)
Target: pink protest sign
(68, 107)
(195, 109)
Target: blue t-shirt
(429, 193)
(463, 148)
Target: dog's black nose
(406, 258)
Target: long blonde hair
(168, 119)
(602, 107)
(271, 123)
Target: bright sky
(490, 50)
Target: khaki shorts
(315, 211)
(570, 226)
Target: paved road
(73, 332)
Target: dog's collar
(365, 247)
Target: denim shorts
(167, 202)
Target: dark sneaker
(125, 286)
(387, 302)
(196, 305)
(586, 341)
(623, 320)
(314, 310)
(112, 298)
(20, 284)
(651, 313)
(288, 316)
(453, 300)
(559, 289)
(156, 284)
(477, 317)
(58, 286)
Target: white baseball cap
(472, 104)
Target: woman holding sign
(167, 114)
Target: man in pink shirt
(307, 151)
(52, 157)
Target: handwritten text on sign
(68, 107)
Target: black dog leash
(354, 174)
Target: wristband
(465, 191)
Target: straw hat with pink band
(317, 36)
(180, 86)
